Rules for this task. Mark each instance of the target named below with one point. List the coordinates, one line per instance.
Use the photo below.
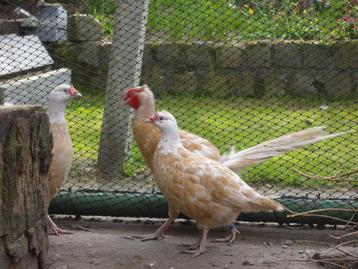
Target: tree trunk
(124, 71)
(25, 155)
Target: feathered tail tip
(266, 150)
(266, 204)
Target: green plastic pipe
(154, 205)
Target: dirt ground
(102, 244)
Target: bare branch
(323, 210)
(309, 214)
(338, 176)
(345, 235)
(336, 247)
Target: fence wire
(237, 73)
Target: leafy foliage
(242, 20)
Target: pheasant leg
(57, 231)
(159, 233)
(197, 252)
(231, 238)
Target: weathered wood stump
(25, 155)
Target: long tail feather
(266, 150)
(261, 203)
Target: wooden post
(2, 96)
(25, 155)
(124, 71)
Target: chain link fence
(237, 73)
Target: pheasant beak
(152, 119)
(73, 92)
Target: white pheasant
(201, 188)
(62, 151)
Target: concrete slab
(53, 23)
(34, 89)
(21, 53)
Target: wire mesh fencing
(237, 73)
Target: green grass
(215, 20)
(84, 117)
(240, 122)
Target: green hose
(153, 205)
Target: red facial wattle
(134, 102)
(131, 97)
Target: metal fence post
(124, 71)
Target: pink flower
(348, 19)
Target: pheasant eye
(161, 118)
(65, 91)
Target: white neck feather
(56, 111)
(170, 141)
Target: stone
(155, 76)
(88, 62)
(82, 27)
(172, 55)
(152, 73)
(214, 84)
(53, 23)
(286, 54)
(9, 26)
(334, 83)
(149, 55)
(241, 84)
(22, 53)
(346, 55)
(355, 83)
(92, 53)
(88, 52)
(186, 82)
(230, 57)
(259, 81)
(276, 82)
(317, 56)
(303, 84)
(104, 52)
(34, 89)
(309, 252)
(198, 55)
(258, 54)
(247, 263)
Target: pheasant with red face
(147, 136)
